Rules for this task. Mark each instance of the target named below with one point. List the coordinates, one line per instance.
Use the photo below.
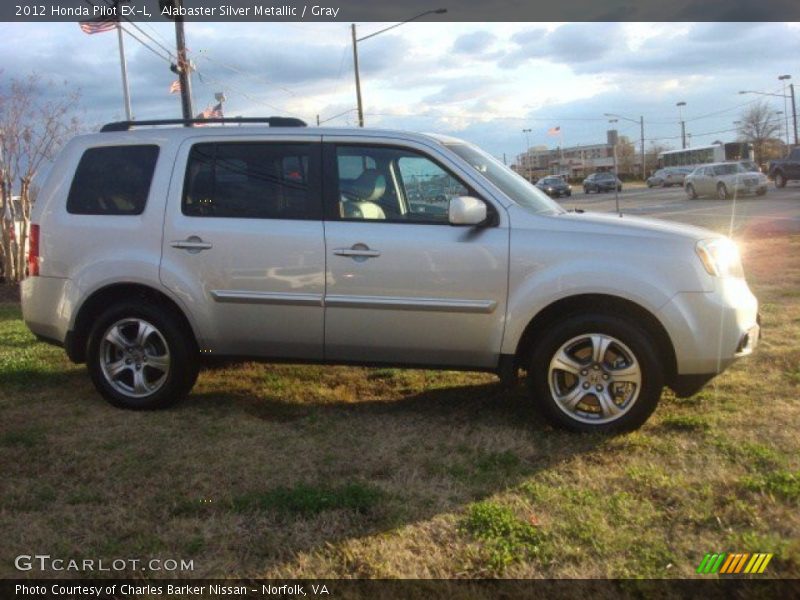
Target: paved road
(777, 212)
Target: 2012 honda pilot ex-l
(154, 247)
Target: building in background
(576, 162)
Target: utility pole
(358, 77)
(641, 133)
(184, 67)
(794, 113)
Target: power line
(203, 54)
(224, 84)
(111, 3)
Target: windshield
(552, 181)
(510, 183)
(729, 169)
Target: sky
(483, 82)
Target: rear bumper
(709, 331)
(44, 308)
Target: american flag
(91, 27)
(175, 88)
(554, 130)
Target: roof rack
(271, 121)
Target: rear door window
(252, 180)
(112, 180)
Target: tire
(761, 191)
(780, 180)
(690, 192)
(139, 384)
(722, 192)
(586, 190)
(576, 336)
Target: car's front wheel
(139, 357)
(596, 372)
(780, 180)
(691, 193)
(722, 192)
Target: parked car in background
(602, 181)
(785, 169)
(724, 180)
(668, 177)
(554, 186)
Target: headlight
(720, 257)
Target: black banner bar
(346, 11)
(202, 589)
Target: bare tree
(626, 156)
(651, 156)
(35, 121)
(759, 125)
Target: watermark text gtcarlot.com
(45, 562)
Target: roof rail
(271, 121)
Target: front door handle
(359, 252)
(193, 244)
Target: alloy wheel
(594, 378)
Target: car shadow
(355, 469)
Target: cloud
(474, 43)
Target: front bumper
(709, 331)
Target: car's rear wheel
(722, 191)
(780, 180)
(596, 372)
(139, 357)
(691, 192)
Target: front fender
(540, 289)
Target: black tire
(690, 191)
(586, 190)
(722, 192)
(183, 369)
(638, 341)
(761, 191)
(780, 180)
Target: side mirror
(465, 210)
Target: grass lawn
(305, 471)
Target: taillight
(33, 251)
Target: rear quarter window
(112, 180)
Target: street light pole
(528, 153)
(641, 136)
(438, 11)
(794, 113)
(680, 106)
(358, 77)
(783, 78)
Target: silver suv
(155, 248)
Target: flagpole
(124, 66)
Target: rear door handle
(357, 251)
(193, 244)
